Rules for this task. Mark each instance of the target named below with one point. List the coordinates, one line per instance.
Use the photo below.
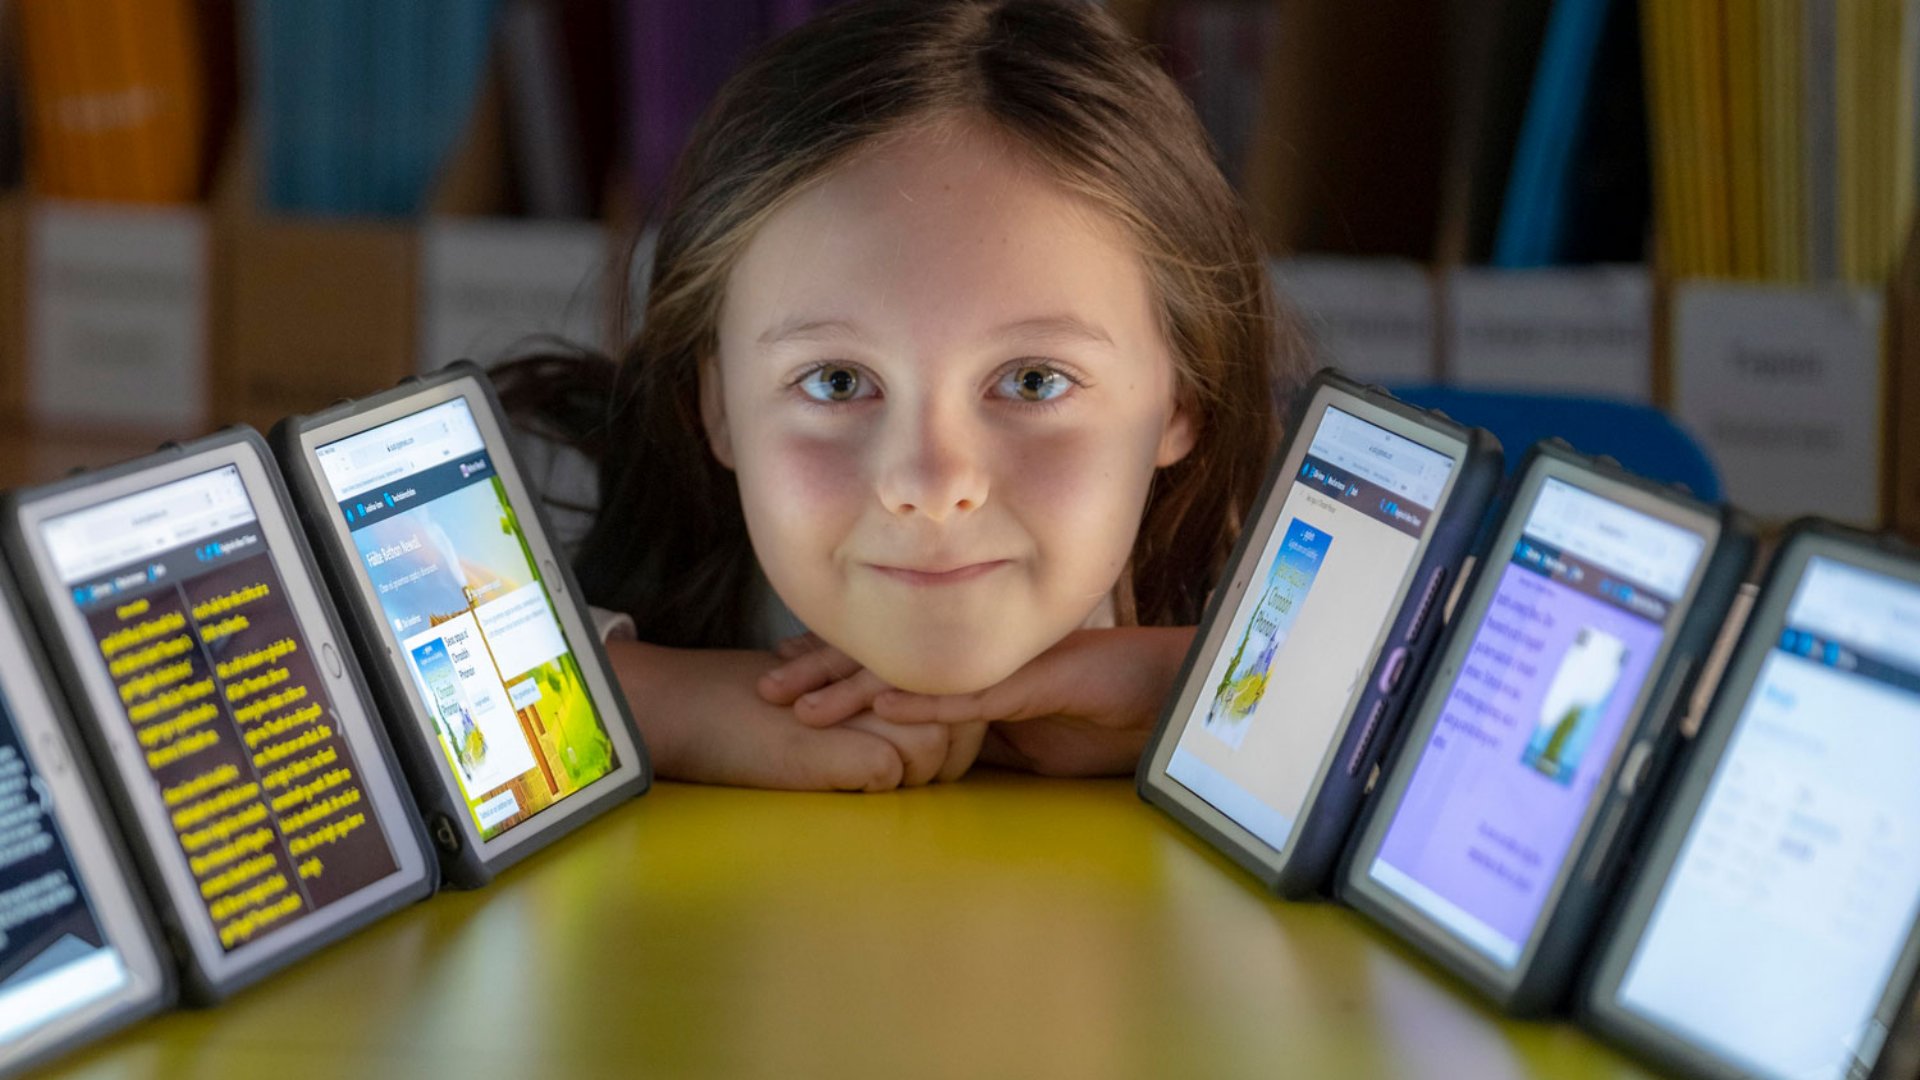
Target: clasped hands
(1085, 707)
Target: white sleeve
(612, 625)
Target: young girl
(958, 372)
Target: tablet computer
(1544, 719)
(1327, 610)
(470, 625)
(79, 954)
(182, 609)
(1772, 928)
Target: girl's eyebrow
(1054, 328)
(802, 328)
(1039, 327)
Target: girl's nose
(931, 466)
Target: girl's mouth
(931, 576)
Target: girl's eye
(1034, 382)
(835, 383)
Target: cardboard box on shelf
(311, 309)
(1374, 318)
(316, 310)
(493, 287)
(118, 313)
(1786, 387)
(13, 271)
(1903, 397)
(1570, 330)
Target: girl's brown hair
(669, 543)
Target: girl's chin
(948, 670)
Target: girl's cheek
(807, 471)
(1098, 467)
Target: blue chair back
(1643, 439)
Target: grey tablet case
(46, 743)
(440, 801)
(404, 829)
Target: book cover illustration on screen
(221, 689)
(451, 717)
(467, 603)
(1794, 890)
(1288, 580)
(1583, 684)
(54, 955)
(1542, 698)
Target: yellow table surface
(1004, 925)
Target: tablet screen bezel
(1424, 714)
(391, 803)
(1244, 573)
(582, 640)
(1688, 791)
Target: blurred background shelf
(221, 210)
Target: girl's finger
(963, 747)
(837, 760)
(808, 671)
(922, 748)
(1017, 698)
(797, 646)
(836, 701)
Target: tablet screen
(1797, 885)
(225, 699)
(1325, 584)
(54, 958)
(1527, 728)
(470, 613)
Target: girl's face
(943, 387)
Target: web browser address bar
(390, 472)
(389, 454)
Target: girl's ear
(1178, 437)
(713, 412)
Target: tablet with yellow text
(205, 664)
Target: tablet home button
(52, 753)
(555, 582)
(331, 658)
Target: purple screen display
(1527, 730)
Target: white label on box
(1585, 330)
(117, 314)
(1783, 386)
(493, 290)
(1372, 318)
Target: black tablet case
(1900, 1055)
(1568, 925)
(1322, 827)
